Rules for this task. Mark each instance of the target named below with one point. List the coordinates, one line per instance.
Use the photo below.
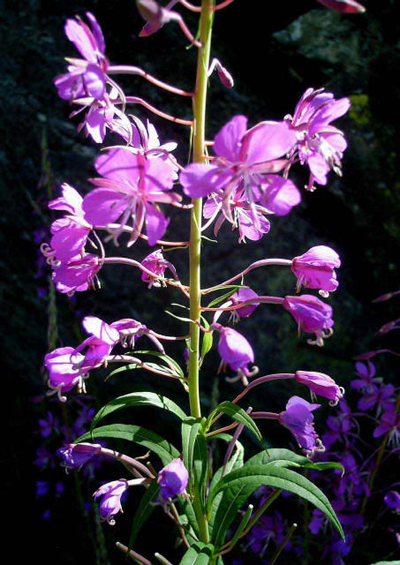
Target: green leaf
(143, 511)
(148, 439)
(235, 462)
(207, 342)
(225, 297)
(287, 458)
(170, 366)
(138, 399)
(200, 466)
(190, 430)
(241, 483)
(198, 554)
(236, 413)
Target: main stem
(199, 115)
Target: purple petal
(103, 206)
(198, 179)
(156, 224)
(267, 141)
(227, 142)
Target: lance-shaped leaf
(136, 434)
(198, 554)
(190, 430)
(287, 458)
(236, 413)
(207, 342)
(138, 399)
(241, 483)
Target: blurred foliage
(273, 61)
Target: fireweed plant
(241, 177)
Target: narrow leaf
(148, 439)
(272, 475)
(236, 413)
(138, 399)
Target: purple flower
(131, 186)
(74, 455)
(320, 385)
(77, 274)
(345, 6)
(63, 374)
(242, 295)
(243, 175)
(234, 349)
(392, 500)
(268, 528)
(311, 314)
(376, 396)
(298, 419)
(242, 214)
(85, 77)
(366, 373)
(339, 425)
(173, 479)
(48, 426)
(98, 346)
(319, 144)
(316, 268)
(157, 264)
(389, 424)
(110, 503)
(71, 232)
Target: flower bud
(316, 268)
(173, 479)
(320, 385)
(74, 455)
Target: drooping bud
(110, 503)
(316, 269)
(298, 419)
(74, 455)
(312, 316)
(320, 385)
(173, 479)
(234, 349)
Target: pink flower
(71, 232)
(319, 144)
(100, 343)
(234, 349)
(242, 295)
(316, 268)
(77, 274)
(173, 479)
(86, 77)
(243, 175)
(63, 374)
(320, 385)
(298, 418)
(131, 187)
(157, 264)
(311, 314)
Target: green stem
(199, 115)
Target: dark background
(274, 54)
